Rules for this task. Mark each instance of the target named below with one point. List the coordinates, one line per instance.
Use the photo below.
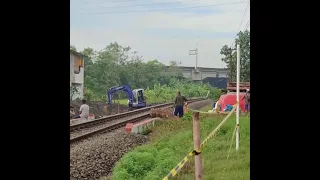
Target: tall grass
(172, 140)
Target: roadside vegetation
(171, 140)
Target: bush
(167, 93)
(187, 116)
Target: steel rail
(120, 115)
(119, 123)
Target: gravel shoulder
(95, 157)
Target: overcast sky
(161, 29)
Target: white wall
(72, 78)
(79, 78)
(187, 74)
(76, 80)
(79, 93)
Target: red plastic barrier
(231, 99)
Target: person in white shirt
(84, 110)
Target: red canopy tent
(231, 99)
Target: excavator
(136, 98)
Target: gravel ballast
(95, 157)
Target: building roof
(77, 53)
(202, 68)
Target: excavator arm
(113, 90)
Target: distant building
(76, 75)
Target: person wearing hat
(246, 97)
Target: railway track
(86, 129)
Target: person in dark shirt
(178, 105)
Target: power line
(117, 1)
(244, 14)
(247, 25)
(136, 5)
(190, 7)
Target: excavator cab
(138, 98)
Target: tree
(174, 69)
(154, 72)
(230, 57)
(103, 73)
(72, 47)
(90, 56)
(230, 60)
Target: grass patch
(171, 140)
(122, 101)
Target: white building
(76, 75)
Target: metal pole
(197, 55)
(238, 89)
(196, 58)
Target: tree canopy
(230, 57)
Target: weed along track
(84, 130)
(95, 156)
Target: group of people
(84, 108)
(178, 106)
(83, 112)
(180, 101)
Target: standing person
(246, 97)
(84, 110)
(178, 105)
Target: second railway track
(86, 129)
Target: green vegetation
(230, 57)
(167, 93)
(172, 140)
(116, 65)
(123, 101)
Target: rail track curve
(86, 129)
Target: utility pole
(238, 100)
(196, 58)
(195, 52)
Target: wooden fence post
(196, 142)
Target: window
(78, 63)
